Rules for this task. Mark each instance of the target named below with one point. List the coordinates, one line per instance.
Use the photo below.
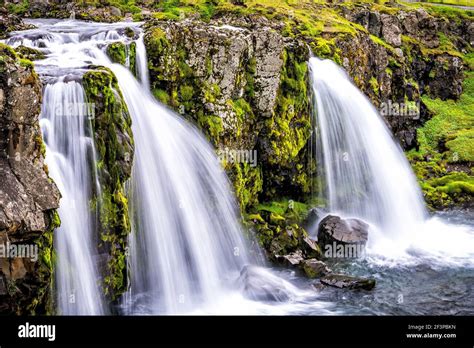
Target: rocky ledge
(28, 197)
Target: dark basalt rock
(333, 229)
(342, 281)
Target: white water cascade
(187, 238)
(187, 248)
(367, 175)
(65, 126)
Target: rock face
(333, 229)
(342, 281)
(409, 53)
(246, 88)
(114, 143)
(28, 197)
(9, 22)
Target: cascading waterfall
(65, 126)
(367, 175)
(187, 251)
(187, 248)
(187, 238)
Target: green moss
(451, 120)
(43, 302)
(186, 92)
(374, 85)
(161, 95)
(290, 130)
(381, 42)
(248, 183)
(446, 139)
(19, 8)
(26, 63)
(29, 53)
(117, 52)
(7, 52)
(114, 143)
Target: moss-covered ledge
(113, 138)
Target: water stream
(188, 252)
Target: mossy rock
(114, 142)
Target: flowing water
(187, 252)
(64, 123)
(187, 248)
(422, 264)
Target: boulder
(314, 268)
(343, 281)
(333, 229)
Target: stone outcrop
(246, 88)
(333, 229)
(113, 139)
(28, 197)
(407, 54)
(343, 281)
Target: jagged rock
(293, 259)
(342, 281)
(239, 81)
(310, 248)
(333, 229)
(9, 22)
(28, 197)
(314, 268)
(391, 30)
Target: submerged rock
(342, 281)
(259, 285)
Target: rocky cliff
(28, 197)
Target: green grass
(452, 125)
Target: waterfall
(367, 176)
(187, 247)
(65, 125)
(365, 171)
(187, 239)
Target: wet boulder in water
(259, 285)
(333, 229)
(292, 259)
(314, 268)
(343, 281)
